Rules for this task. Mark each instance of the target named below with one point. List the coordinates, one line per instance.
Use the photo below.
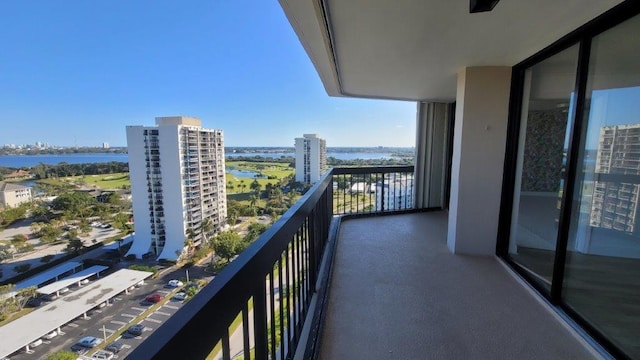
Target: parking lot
(122, 312)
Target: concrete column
(482, 103)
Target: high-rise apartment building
(311, 158)
(615, 203)
(177, 175)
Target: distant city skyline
(75, 73)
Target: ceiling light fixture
(476, 6)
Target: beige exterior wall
(13, 198)
(479, 139)
(178, 120)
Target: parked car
(115, 347)
(89, 341)
(36, 343)
(180, 296)
(175, 283)
(51, 335)
(34, 302)
(78, 349)
(49, 297)
(135, 330)
(155, 298)
(103, 355)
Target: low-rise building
(12, 195)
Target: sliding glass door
(574, 205)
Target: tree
(206, 227)
(23, 295)
(75, 204)
(189, 241)
(256, 187)
(253, 232)
(121, 222)
(49, 233)
(72, 234)
(232, 216)
(74, 246)
(19, 239)
(5, 253)
(226, 244)
(253, 200)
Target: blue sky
(77, 72)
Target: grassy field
(118, 180)
(105, 181)
(278, 170)
(108, 181)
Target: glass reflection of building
(615, 204)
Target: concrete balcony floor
(398, 293)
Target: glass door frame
(582, 36)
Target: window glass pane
(602, 273)
(544, 129)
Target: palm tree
(206, 226)
(189, 240)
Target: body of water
(244, 174)
(18, 161)
(340, 156)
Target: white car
(174, 283)
(103, 355)
(180, 296)
(51, 335)
(36, 343)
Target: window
(573, 207)
(544, 129)
(602, 271)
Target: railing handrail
(197, 327)
(370, 169)
(191, 332)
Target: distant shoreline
(28, 161)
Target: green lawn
(105, 181)
(278, 170)
(108, 181)
(116, 181)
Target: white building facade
(177, 171)
(12, 195)
(394, 192)
(311, 158)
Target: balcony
(357, 286)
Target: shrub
(143, 268)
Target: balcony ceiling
(413, 49)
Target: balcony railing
(256, 307)
(372, 190)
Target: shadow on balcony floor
(398, 293)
